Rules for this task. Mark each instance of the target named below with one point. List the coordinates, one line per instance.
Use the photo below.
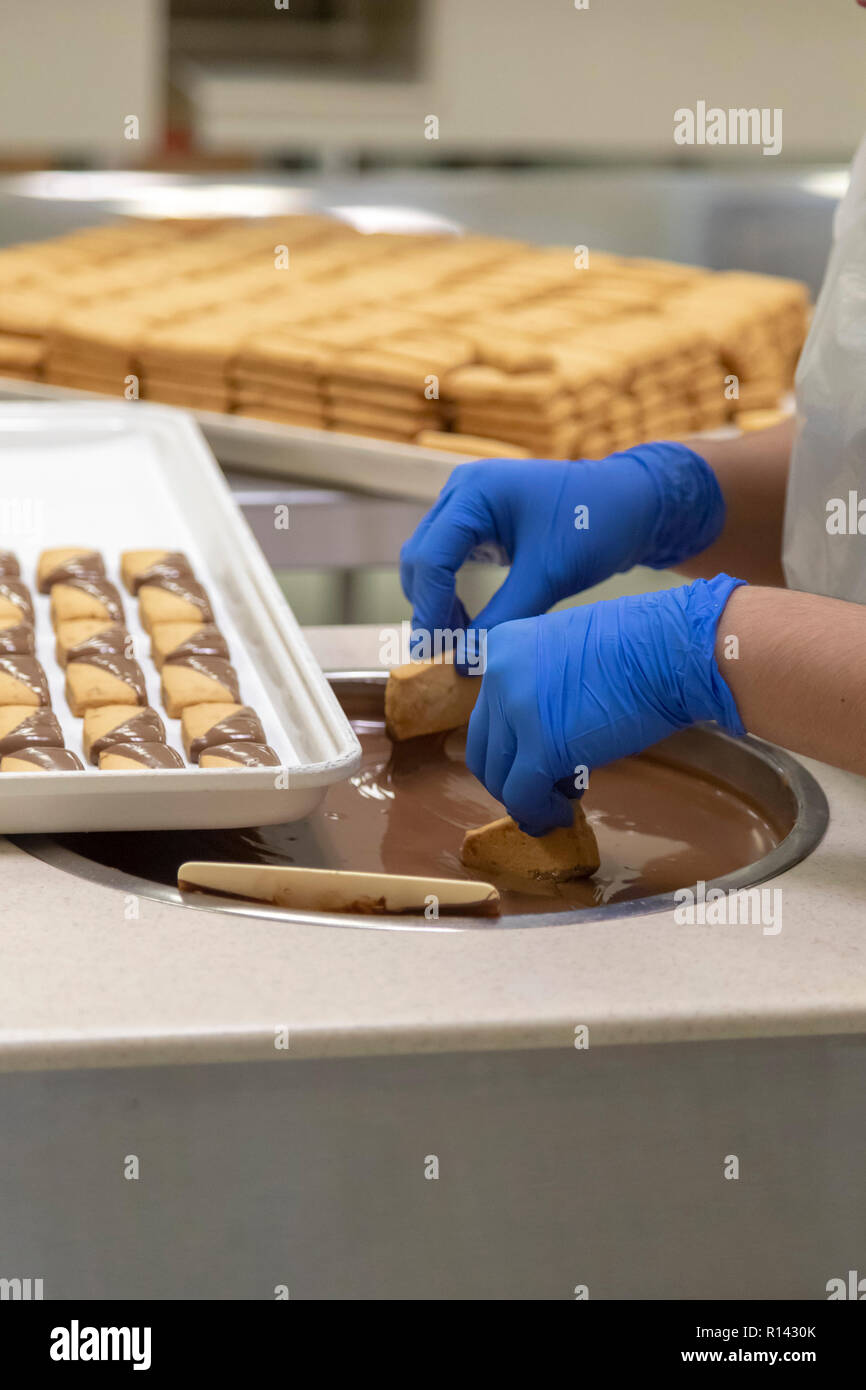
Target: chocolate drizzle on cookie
(39, 729)
(124, 668)
(29, 671)
(145, 726)
(174, 566)
(19, 594)
(147, 754)
(88, 564)
(100, 589)
(51, 759)
(244, 726)
(205, 641)
(182, 586)
(18, 640)
(245, 754)
(109, 641)
(215, 668)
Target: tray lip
(813, 815)
(108, 413)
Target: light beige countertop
(83, 985)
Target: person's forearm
(753, 475)
(798, 671)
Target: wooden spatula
(336, 890)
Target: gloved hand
(562, 526)
(579, 688)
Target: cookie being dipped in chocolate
(17, 639)
(85, 596)
(110, 724)
(22, 681)
(23, 726)
(62, 563)
(138, 757)
(9, 566)
(501, 847)
(34, 759)
(206, 726)
(174, 642)
(198, 680)
(228, 755)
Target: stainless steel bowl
(785, 792)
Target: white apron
(824, 551)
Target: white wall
(500, 74)
(72, 70)
(612, 75)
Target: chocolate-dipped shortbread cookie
(239, 755)
(17, 639)
(173, 642)
(22, 681)
(198, 680)
(136, 757)
(82, 637)
(205, 726)
(15, 601)
(63, 563)
(119, 724)
(173, 599)
(9, 567)
(139, 567)
(23, 726)
(42, 760)
(104, 678)
(85, 596)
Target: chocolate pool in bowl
(660, 823)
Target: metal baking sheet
(318, 456)
(123, 476)
(377, 466)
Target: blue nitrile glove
(579, 688)
(653, 505)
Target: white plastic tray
(123, 476)
(323, 457)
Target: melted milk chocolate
(29, 671)
(143, 727)
(51, 759)
(659, 826)
(19, 594)
(205, 641)
(39, 729)
(19, 640)
(9, 567)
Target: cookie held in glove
(427, 697)
(502, 848)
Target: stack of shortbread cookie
(474, 344)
